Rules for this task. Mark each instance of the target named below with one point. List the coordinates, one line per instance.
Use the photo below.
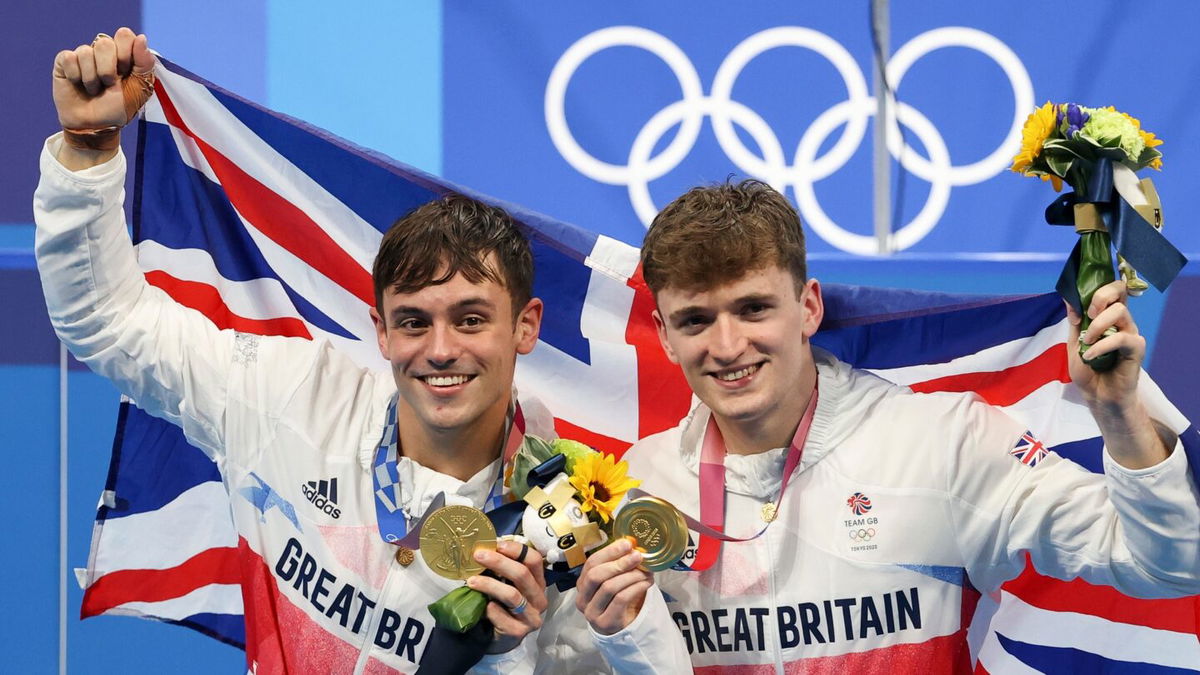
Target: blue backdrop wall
(597, 114)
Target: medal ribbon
(393, 524)
(712, 489)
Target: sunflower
(1038, 127)
(601, 482)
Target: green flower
(573, 450)
(1110, 128)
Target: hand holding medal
(656, 528)
(652, 535)
(502, 601)
(561, 500)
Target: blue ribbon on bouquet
(1135, 238)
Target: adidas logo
(323, 495)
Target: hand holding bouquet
(1097, 151)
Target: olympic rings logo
(862, 535)
(807, 166)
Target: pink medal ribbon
(712, 489)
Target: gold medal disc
(449, 538)
(658, 527)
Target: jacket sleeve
(1135, 530)
(567, 645)
(172, 361)
(517, 661)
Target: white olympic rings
(807, 166)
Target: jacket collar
(760, 475)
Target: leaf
(1117, 154)
(533, 452)
(1084, 151)
(459, 610)
(1148, 155)
(1059, 165)
(1095, 271)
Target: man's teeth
(737, 374)
(446, 380)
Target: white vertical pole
(63, 568)
(882, 161)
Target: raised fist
(99, 87)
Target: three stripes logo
(323, 494)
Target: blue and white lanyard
(393, 522)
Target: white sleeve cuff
(516, 660)
(1175, 463)
(1158, 507)
(96, 175)
(652, 632)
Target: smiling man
(881, 510)
(328, 464)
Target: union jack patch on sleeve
(1029, 450)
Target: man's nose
(728, 340)
(443, 348)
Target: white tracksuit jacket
(322, 591)
(891, 588)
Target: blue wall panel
(224, 39)
(368, 71)
(29, 625)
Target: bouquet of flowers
(566, 494)
(1096, 151)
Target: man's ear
(814, 307)
(661, 327)
(529, 325)
(380, 332)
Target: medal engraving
(658, 527)
(645, 532)
(449, 538)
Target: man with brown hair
(899, 505)
(324, 584)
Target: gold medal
(769, 512)
(659, 529)
(449, 538)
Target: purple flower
(1075, 118)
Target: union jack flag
(1029, 450)
(859, 503)
(267, 225)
